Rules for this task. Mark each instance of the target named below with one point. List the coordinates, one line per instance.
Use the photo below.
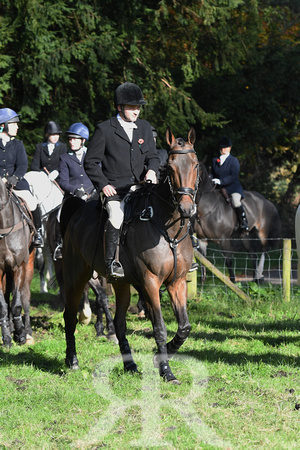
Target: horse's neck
(166, 212)
(6, 214)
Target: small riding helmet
(7, 115)
(52, 127)
(129, 94)
(78, 130)
(225, 142)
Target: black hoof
(72, 362)
(131, 367)
(99, 330)
(166, 373)
(7, 342)
(20, 338)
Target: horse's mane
(206, 184)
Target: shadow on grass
(241, 358)
(33, 358)
(51, 300)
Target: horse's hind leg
(258, 269)
(26, 297)
(85, 314)
(122, 303)
(4, 319)
(102, 305)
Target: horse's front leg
(160, 360)
(122, 292)
(16, 305)
(178, 295)
(74, 283)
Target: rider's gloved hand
(216, 181)
(12, 181)
(151, 176)
(52, 175)
(79, 192)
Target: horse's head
(183, 172)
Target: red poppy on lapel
(218, 160)
(141, 141)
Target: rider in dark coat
(47, 153)
(121, 153)
(225, 171)
(72, 177)
(13, 166)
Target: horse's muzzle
(187, 209)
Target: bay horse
(155, 248)
(217, 221)
(95, 283)
(16, 268)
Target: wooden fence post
(222, 277)
(286, 269)
(191, 279)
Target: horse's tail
(274, 234)
(70, 206)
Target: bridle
(182, 190)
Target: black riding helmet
(52, 128)
(225, 142)
(129, 94)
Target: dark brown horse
(152, 252)
(16, 268)
(97, 285)
(217, 221)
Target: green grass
(239, 373)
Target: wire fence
(272, 279)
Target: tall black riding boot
(113, 268)
(242, 218)
(57, 254)
(37, 220)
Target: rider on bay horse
(13, 166)
(121, 153)
(225, 171)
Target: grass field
(239, 373)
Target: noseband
(182, 190)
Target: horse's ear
(169, 137)
(192, 136)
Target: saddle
(137, 204)
(24, 210)
(225, 194)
